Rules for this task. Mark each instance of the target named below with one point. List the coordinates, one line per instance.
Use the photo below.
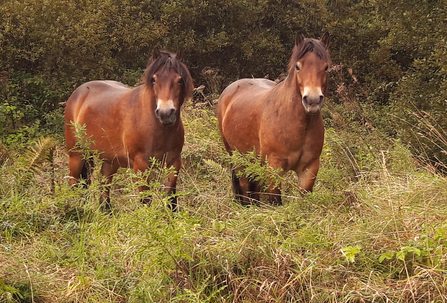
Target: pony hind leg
(86, 173)
(76, 165)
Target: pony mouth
(312, 109)
(167, 122)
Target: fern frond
(252, 166)
(42, 151)
(215, 167)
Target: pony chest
(153, 142)
(283, 137)
(294, 147)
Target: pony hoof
(276, 202)
(105, 205)
(147, 201)
(173, 204)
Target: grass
(374, 230)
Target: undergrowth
(373, 230)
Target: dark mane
(165, 62)
(309, 45)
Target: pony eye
(326, 68)
(180, 81)
(298, 66)
(153, 80)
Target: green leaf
(350, 252)
(387, 256)
(401, 255)
(410, 249)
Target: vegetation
(374, 230)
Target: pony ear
(156, 53)
(180, 54)
(325, 39)
(299, 38)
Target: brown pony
(129, 126)
(282, 121)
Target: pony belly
(241, 132)
(243, 144)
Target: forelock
(166, 62)
(309, 45)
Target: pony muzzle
(166, 112)
(313, 103)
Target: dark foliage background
(390, 57)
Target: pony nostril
(166, 115)
(305, 98)
(321, 98)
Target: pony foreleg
(171, 191)
(236, 186)
(274, 195)
(306, 178)
(273, 189)
(254, 192)
(107, 170)
(242, 188)
(171, 187)
(147, 199)
(141, 164)
(244, 185)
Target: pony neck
(289, 90)
(146, 99)
(147, 103)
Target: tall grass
(374, 230)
